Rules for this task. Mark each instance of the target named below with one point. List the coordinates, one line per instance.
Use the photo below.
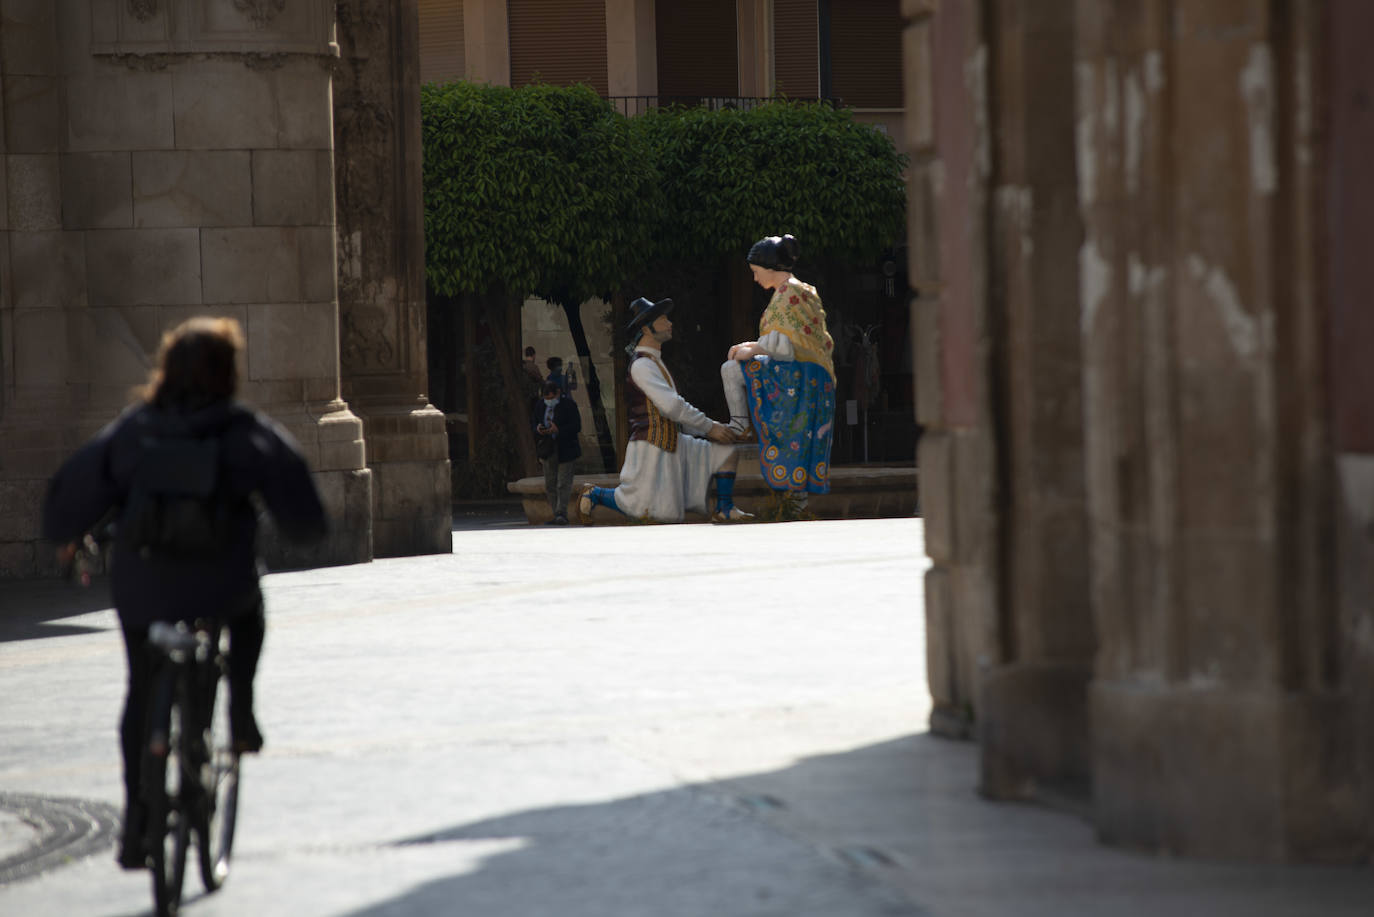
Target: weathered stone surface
(28, 37)
(120, 110)
(192, 188)
(920, 89)
(32, 109)
(290, 340)
(42, 361)
(97, 191)
(113, 346)
(47, 269)
(376, 183)
(925, 347)
(1034, 730)
(18, 560)
(302, 98)
(923, 229)
(126, 267)
(20, 507)
(223, 105)
(292, 188)
(268, 264)
(34, 198)
(347, 496)
(1158, 784)
(406, 518)
(941, 659)
(935, 457)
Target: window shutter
(560, 42)
(796, 49)
(698, 52)
(866, 53)
(441, 41)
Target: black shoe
(560, 519)
(133, 852)
(247, 738)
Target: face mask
(550, 402)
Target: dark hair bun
(776, 253)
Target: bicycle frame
(190, 773)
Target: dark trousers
(558, 482)
(246, 633)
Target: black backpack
(176, 508)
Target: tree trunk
(604, 440)
(519, 411)
(473, 384)
(619, 316)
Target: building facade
(722, 49)
(254, 160)
(1148, 473)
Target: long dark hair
(197, 364)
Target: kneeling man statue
(667, 471)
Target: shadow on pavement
(894, 829)
(716, 849)
(484, 514)
(29, 609)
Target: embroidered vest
(645, 421)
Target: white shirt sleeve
(669, 403)
(777, 345)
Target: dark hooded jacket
(256, 457)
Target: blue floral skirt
(792, 406)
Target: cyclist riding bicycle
(187, 568)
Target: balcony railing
(638, 105)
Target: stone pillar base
(331, 437)
(412, 503)
(1033, 728)
(1257, 775)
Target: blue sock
(604, 496)
(725, 491)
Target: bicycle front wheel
(220, 777)
(169, 821)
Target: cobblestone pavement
(639, 720)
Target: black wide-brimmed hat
(643, 312)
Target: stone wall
(1140, 328)
(163, 161)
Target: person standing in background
(557, 423)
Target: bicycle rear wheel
(220, 778)
(169, 823)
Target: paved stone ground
(609, 722)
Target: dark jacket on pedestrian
(569, 422)
(255, 457)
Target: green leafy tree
(538, 191)
(730, 177)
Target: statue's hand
(720, 433)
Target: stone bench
(856, 492)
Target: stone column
(380, 219)
(1349, 205)
(1221, 722)
(1033, 720)
(946, 79)
(172, 162)
(42, 284)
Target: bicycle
(190, 774)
